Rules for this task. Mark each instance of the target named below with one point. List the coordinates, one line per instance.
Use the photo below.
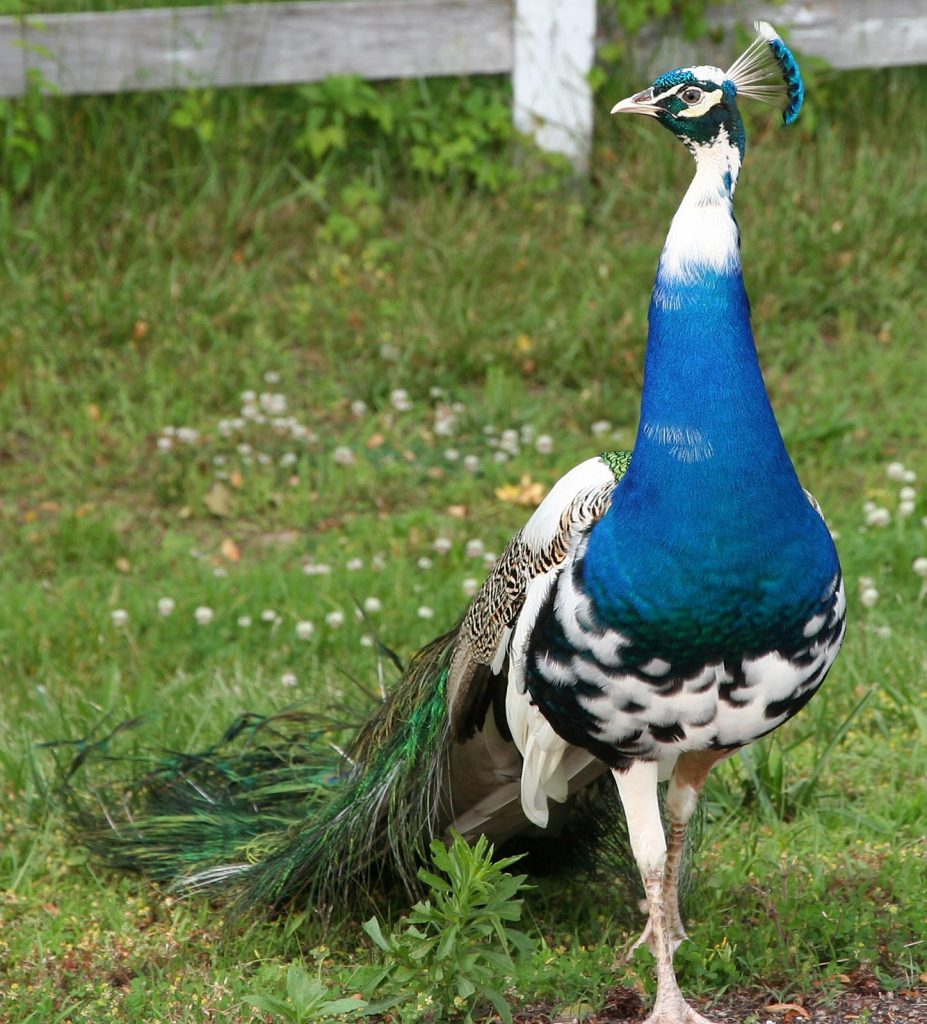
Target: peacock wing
(506, 759)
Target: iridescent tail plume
(272, 815)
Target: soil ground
(865, 1004)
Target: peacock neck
(709, 538)
(706, 426)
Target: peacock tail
(276, 815)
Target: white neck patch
(703, 235)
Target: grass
(150, 281)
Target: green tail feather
(273, 814)
(276, 815)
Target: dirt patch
(624, 1006)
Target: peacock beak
(640, 103)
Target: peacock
(659, 610)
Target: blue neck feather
(711, 513)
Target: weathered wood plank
(845, 33)
(12, 63)
(256, 44)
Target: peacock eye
(690, 95)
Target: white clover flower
(166, 606)
(288, 679)
(489, 429)
(244, 621)
(399, 400)
(895, 471)
(424, 562)
(451, 454)
(878, 517)
(289, 459)
(489, 559)
(510, 442)
(866, 581)
(305, 629)
(272, 377)
(600, 428)
(445, 422)
(248, 397)
(425, 612)
(471, 463)
(224, 427)
(343, 456)
(188, 435)
(218, 460)
(203, 615)
(500, 457)
(442, 545)
(120, 617)
(358, 407)
(378, 562)
(389, 352)
(168, 431)
(335, 619)
(165, 444)
(908, 493)
(905, 508)
(353, 564)
(869, 596)
(317, 569)
(373, 605)
(244, 448)
(366, 640)
(470, 586)
(263, 459)
(909, 476)
(919, 565)
(273, 404)
(268, 615)
(238, 423)
(527, 433)
(220, 572)
(435, 392)
(475, 548)
(544, 444)
(883, 632)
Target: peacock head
(699, 104)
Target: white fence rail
(546, 45)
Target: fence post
(553, 53)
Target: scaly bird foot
(675, 1011)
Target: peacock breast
(660, 647)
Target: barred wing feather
(497, 786)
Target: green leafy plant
(456, 950)
(307, 999)
(26, 133)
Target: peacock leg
(637, 787)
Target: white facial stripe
(709, 100)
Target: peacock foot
(675, 1011)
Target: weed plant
(249, 386)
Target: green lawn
(149, 283)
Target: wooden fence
(546, 45)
